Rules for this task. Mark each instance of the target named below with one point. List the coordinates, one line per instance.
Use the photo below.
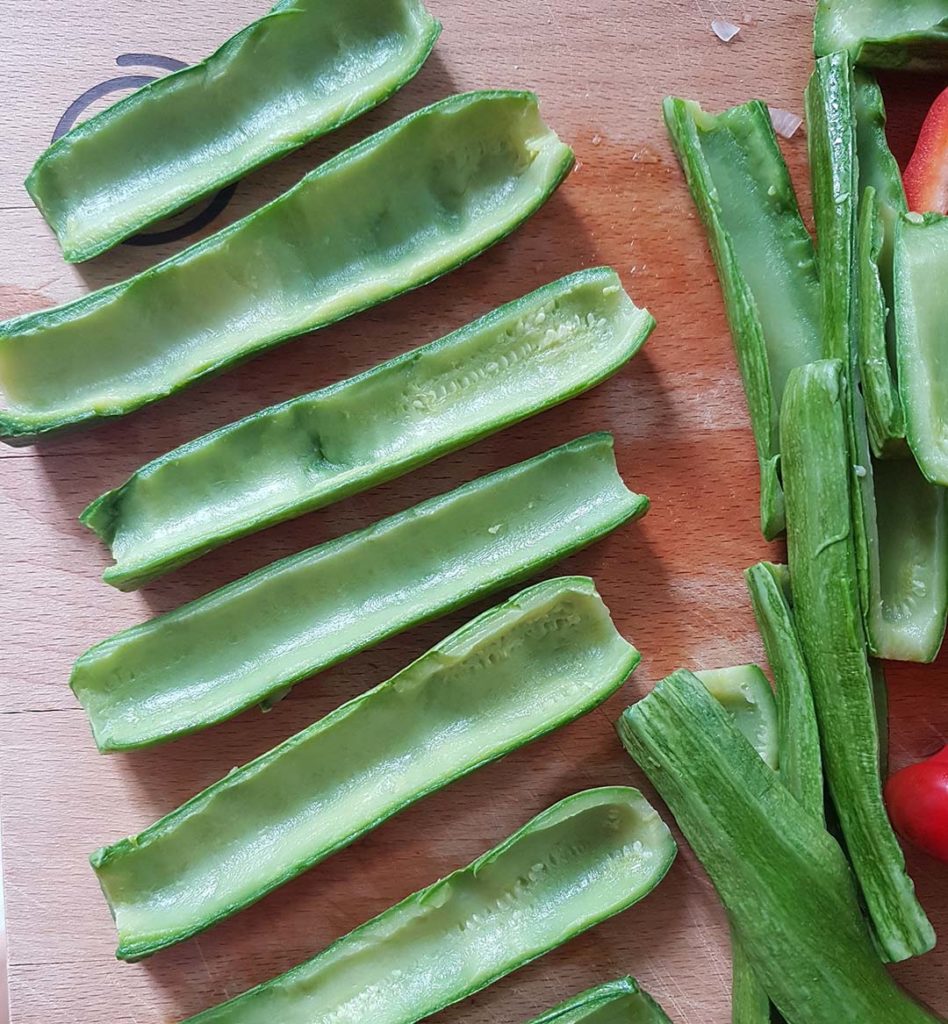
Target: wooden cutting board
(673, 581)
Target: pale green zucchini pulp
(583, 860)
(817, 473)
(921, 270)
(391, 213)
(798, 738)
(881, 200)
(520, 670)
(303, 69)
(765, 262)
(313, 450)
(907, 34)
(615, 1002)
(782, 878)
(745, 694)
(233, 648)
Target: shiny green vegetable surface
(586, 858)
(528, 666)
(303, 69)
(313, 450)
(783, 880)
(615, 1002)
(908, 34)
(208, 660)
(817, 472)
(921, 270)
(765, 262)
(391, 213)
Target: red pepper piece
(917, 799)
(926, 176)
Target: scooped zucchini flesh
(615, 1002)
(921, 269)
(765, 260)
(313, 450)
(583, 860)
(246, 642)
(527, 666)
(784, 882)
(391, 213)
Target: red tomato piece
(917, 799)
(926, 176)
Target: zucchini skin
(887, 585)
(280, 82)
(518, 671)
(783, 880)
(207, 660)
(823, 570)
(391, 213)
(799, 758)
(614, 1002)
(765, 262)
(304, 454)
(881, 200)
(921, 266)
(582, 860)
(909, 35)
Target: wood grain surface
(673, 581)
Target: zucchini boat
(583, 860)
(252, 639)
(315, 449)
(921, 306)
(520, 670)
(907, 34)
(882, 200)
(615, 1002)
(306, 67)
(817, 470)
(765, 261)
(393, 212)
(783, 880)
(798, 738)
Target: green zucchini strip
(921, 306)
(520, 670)
(904, 603)
(745, 694)
(615, 1002)
(782, 878)
(882, 200)
(765, 262)
(315, 449)
(583, 860)
(800, 762)
(393, 212)
(233, 648)
(303, 69)
(908, 34)
(817, 471)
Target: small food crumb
(724, 30)
(786, 123)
